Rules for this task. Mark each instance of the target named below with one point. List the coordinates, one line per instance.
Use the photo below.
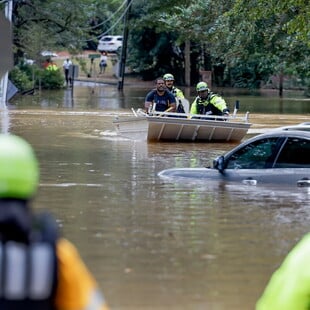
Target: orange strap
(77, 289)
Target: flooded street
(151, 243)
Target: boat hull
(158, 128)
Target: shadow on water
(155, 244)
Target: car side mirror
(218, 164)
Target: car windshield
(256, 155)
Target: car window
(294, 154)
(256, 155)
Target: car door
(266, 161)
(249, 164)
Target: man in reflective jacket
(208, 103)
(40, 270)
(177, 93)
(169, 82)
(289, 286)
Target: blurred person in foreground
(39, 269)
(289, 286)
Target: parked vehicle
(280, 156)
(28, 61)
(48, 54)
(110, 44)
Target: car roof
(301, 130)
(302, 127)
(297, 131)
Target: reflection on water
(155, 244)
(5, 120)
(102, 96)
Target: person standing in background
(103, 62)
(66, 66)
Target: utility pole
(6, 55)
(187, 63)
(122, 64)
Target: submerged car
(110, 44)
(280, 156)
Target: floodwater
(155, 244)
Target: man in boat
(41, 270)
(160, 99)
(289, 286)
(178, 94)
(207, 102)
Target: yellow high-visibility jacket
(289, 286)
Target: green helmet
(19, 171)
(168, 77)
(201, 86)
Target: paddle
(168, 110)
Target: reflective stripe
(15, 271)
(1, 269)
(96, 301)
(41, 266)
(26, 271)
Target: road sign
(92, 56)
(6, 56)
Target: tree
(249, 41)
(270, 33)
(43, 25)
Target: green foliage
(155, 54)
(20, 79)
(294, 15)
(250, 39)
(51, 79)
(54, 25)
(26, 77)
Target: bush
(51, 79)
(21, 79)
(26, 77)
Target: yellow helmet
(168, 77)
(201, 86)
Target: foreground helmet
(19, 171)
(201, 86)
(168, 77)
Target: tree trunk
(187, 63)
(281, 84)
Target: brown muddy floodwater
(154, 244)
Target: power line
(105, 21)
(115, 24)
